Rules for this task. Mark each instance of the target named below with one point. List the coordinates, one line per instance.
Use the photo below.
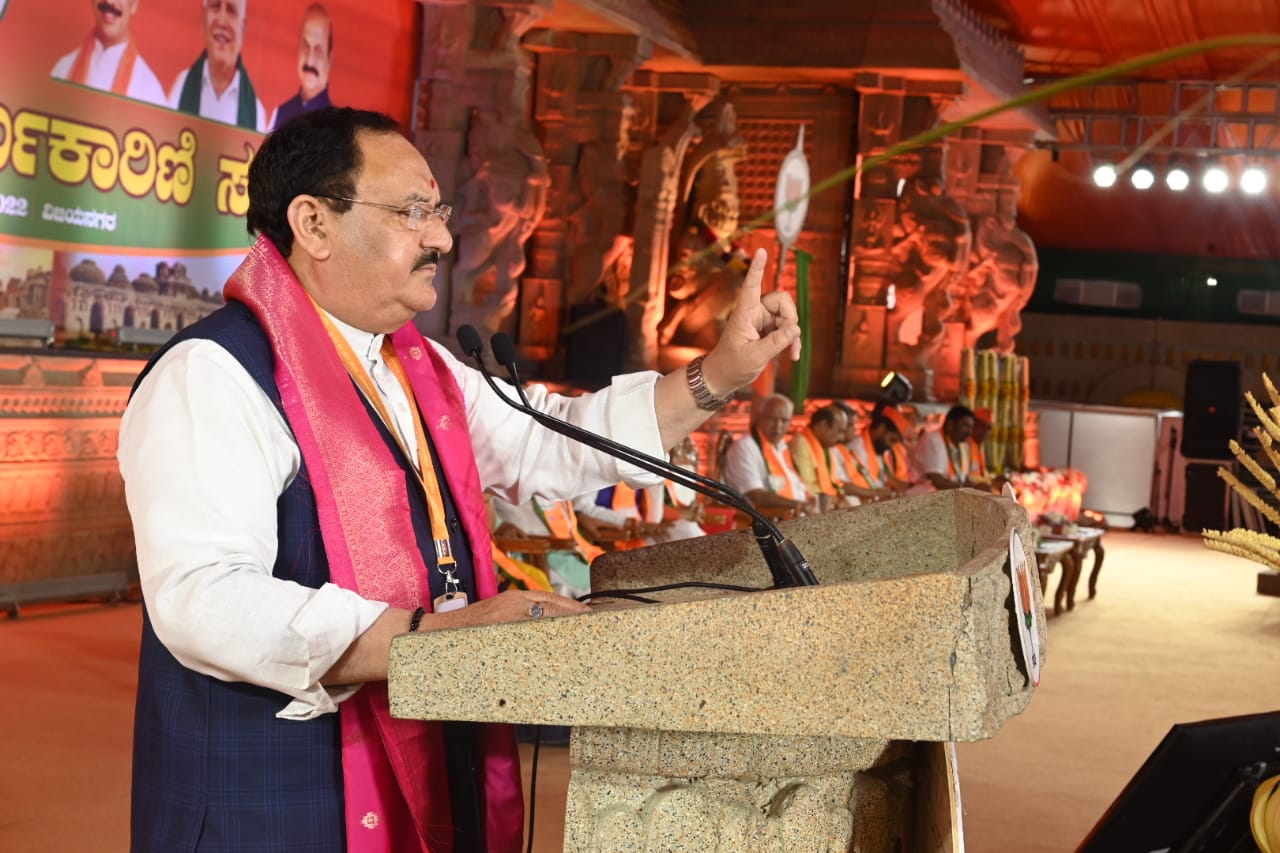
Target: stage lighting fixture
(1177, 179)
(1104, 176)
(1142, 178)
(1211, 282)
(1253, 180)
(895, 388)
(1215, 179)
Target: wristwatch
(698, 387)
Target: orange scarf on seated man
(850, 463)
(978, 467)
(821, 462)
(896, 460)
(562, 522)
(518, 573)
(866, 476)
(777, 468)
(627, 499)
(958, 459)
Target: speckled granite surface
(909, 637)
(758, 721)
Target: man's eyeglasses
(414, 216)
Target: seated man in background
(759, 464)
(944, 454)
(811, 452)
(844, 465)
(876, 461)
(980, 474)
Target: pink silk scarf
(395, 783)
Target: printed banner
(126, 132)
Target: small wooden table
(1082, 541)
(1048, 556)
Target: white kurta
(205, 456)
(224, 107)
(103, 63)
(745, 469)
(931, 456)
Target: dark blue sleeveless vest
(214, 769)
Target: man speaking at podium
(305, 472)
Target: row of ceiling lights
(1214, 178)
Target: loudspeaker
(1205, 498)
(1212, 404)
(1194, 793)
(594, 352)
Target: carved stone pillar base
(697, 792)
(64, 527)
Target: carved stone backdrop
(583, 118)
(938, 260)
(62, 508)
(590, 163)
(472, 124)
(769, 119)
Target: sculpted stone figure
(932, 243)
(1001, 278)
(702, 287)
(503, 201)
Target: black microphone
(787, 565)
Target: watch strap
(698, 387)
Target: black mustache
(429, 257)
(308, 69)
(104, 7)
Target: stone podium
(801, 719)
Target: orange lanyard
(426, 471)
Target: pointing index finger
(749, 291)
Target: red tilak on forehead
(433, 183)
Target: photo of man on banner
(108, 59)
(217, 85)
(315, 58)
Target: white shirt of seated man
(745, 468)
(942, 455)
